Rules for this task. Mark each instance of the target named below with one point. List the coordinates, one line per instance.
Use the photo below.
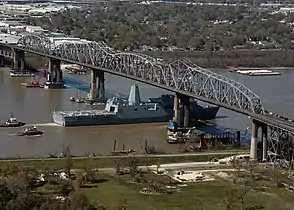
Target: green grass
(59, 163)
(202, 195)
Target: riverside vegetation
(26, 188)
(211, 36)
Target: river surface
(35, 106)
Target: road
(136, 156)
(169, 166)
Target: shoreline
(231, 68)
(112, 161)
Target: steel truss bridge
(182, 77)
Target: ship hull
(103, 120)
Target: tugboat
(30, 131)
(12, 122)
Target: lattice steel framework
(179, 75)
(280, 147)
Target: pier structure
(54, 76)
(182, 110)
(254, 139)
(97, 86)
(18, 60)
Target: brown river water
(35, 106)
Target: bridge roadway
(266, 118)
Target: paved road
(276, 121)
(169, 166)
(136, 155)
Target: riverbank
(237, 58)
(113, 161)
(244, 68)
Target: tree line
(131, 26)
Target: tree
(66, 187)
(78, 200)
(68, 160)
(133, 166)
(81, 179)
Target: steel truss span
(280, 147)
(179, 75)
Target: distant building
(34, 29)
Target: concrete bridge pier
(186, 107)
(54, 79)
(101, 86)
(97, 94)
(254, 138)
(264, 142)
(176, 116)
(2, 61)
(254, 134)
(93, 85)
(181, 110)
(18, 60)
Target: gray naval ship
(121, 111)
(197, 112)
(117, 111)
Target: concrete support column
(101, 86)
(21, 57)
(253, 148)
(182, 113)
(186, 105)
(58, 71)
(264, 142)
(54, 71)
(2, 63)
(15, 60)
(18, 60)
(93, 85)
(176, 109)
(184, 116)
(49, 72)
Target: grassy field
(209, 195)
(105, 162)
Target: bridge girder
(179, 75)
(280, 147)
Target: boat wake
(43, 124)
(17, 134)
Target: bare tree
(68, 160)
(133, 166)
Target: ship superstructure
(117, 111)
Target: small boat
(12, 122)
(79, 100)
(30, 131)
(72, 99)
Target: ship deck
(83, 113)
